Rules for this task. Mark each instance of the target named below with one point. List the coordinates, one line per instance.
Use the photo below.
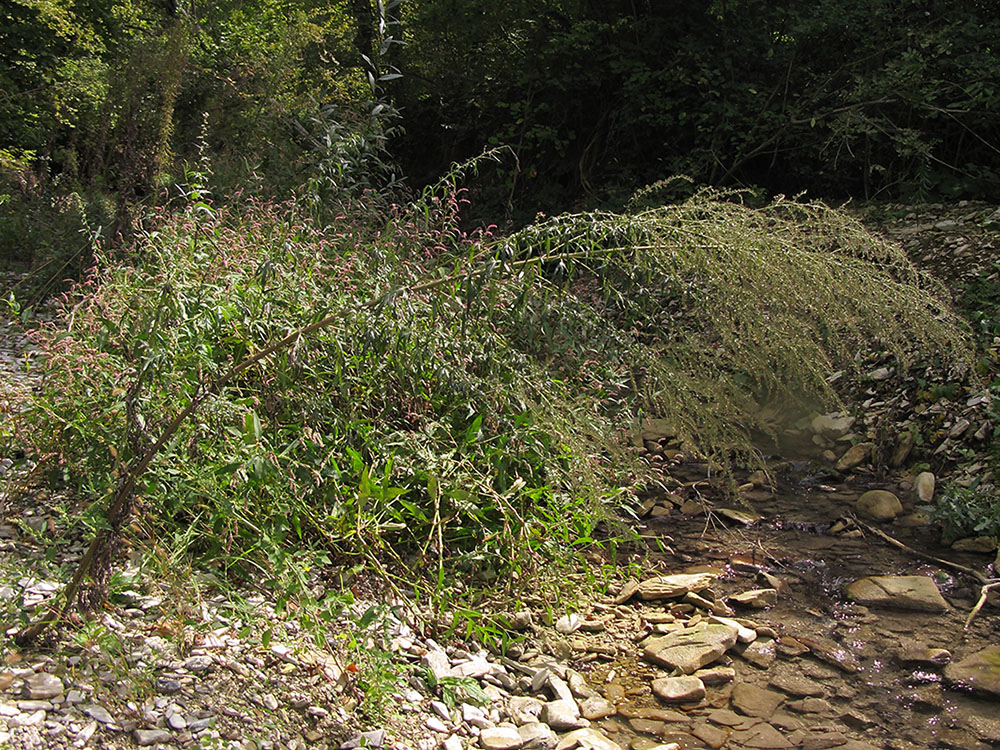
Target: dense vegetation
(280, 352)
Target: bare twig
(983, 593)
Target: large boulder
(881, 505)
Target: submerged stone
(900, 592)
(978, 673)
(751, 700)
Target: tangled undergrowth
(462, 410)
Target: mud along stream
(809, 667)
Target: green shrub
(463, 405)
(967, 511)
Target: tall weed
(461, 409)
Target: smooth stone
(674, 586)
(854, 456)
(664, 715)
(579, 686)
(789, 646)
(628, 590)
(648, 726)
(881, 505)
(436, 725)
(199, 663)
(831, 425)
(756, 598)
(726, 718)
(568, 624)
(475, 716)
(42, 686)
(524, 710)
(691, 648)
(679, 689)
(26, 719)
(713, 736)
(145, 737)
(924, 486)
(438, 663)
(743, 633)
(903, 449)
(823, 740)
(978, 672)
(751, 700)
(177, 722)
(537, 735)
(831, 652)
(738, 516)
(167, 686)
(714, 676)
(98, 713)
(521, 620)
(562, 715)
(811, 706)
(918, 593)
(500, 738)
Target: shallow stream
(862, 689)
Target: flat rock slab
(692, 648)
(761, 737)
(756, 598)
(831, 652)
(751, 700)
(674, 586)
(798, 685)
(979, 673)
(918, 593)
(587, 739)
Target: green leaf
(251, 428)
(472, 434)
